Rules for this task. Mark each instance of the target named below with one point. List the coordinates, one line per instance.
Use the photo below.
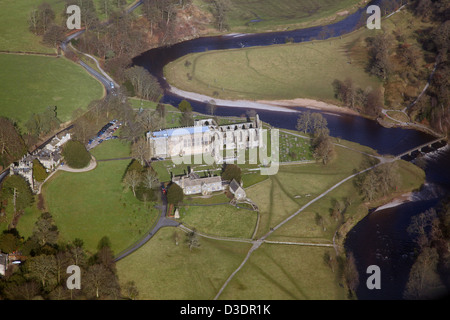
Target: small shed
(237, 190)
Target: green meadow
(15, 35)
(268, 15)
(93, 204)
(32, 83)
(165, 270)
(274, 271)
(288, 71)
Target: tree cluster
(16, 190)
(433, 106)
(44, 122)
(219, 10)
(175, 194)
(145, 85)
(317, 126)
(142, 180)
(428, 277)
(393, 58)
(43, 272)
(368, 101)
(379, 182)
(41, 21)
(12, 146)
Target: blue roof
(179, 131)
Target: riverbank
(286, 105)
(246, 104)
(310, 104)
(260, 16)
(411, 178)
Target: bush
(175, 194)
(232, 171)
(39, 172)
(76, 155)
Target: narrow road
(162, 222)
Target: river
(381, 237)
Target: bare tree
(101, 283)
(323, 147)
(192, 240)
(219, 10)
(45, 230)
(150, 179)
(304, 122)
(351, 273)
(145, 85)
(132, 180)
(141, 151)
(131, 290)
(424, 281)
(211, 107)
(43, 268)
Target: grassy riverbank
(288, 71)
(245, 16)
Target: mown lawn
(163, 270)
(220, 220)
(93, 204)
(285, 272)
(304, 70)
(32, 83)
(295, 185)
(112, 149)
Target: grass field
(274, 271)
(93, 204)
(295, 185)
(266, 15)
(283, 272)
(163, 270)
(112, 149)
(31, 83)
(14, 35)
(222, 220)
(411, 178)
(304, 70)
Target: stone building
(49, 156)
(237, 190)
(193, 184)
(206, 136)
